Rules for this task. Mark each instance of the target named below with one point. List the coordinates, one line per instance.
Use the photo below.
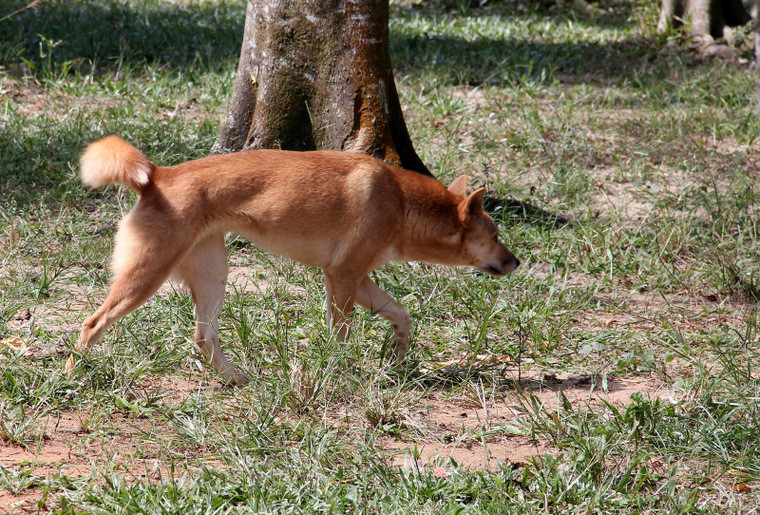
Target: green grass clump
(617, 370)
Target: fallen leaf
(462, 362)
(742, 488)
(15, 343)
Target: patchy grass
(617, 370)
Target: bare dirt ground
(440, 427)
(452, 426)
(477, 429)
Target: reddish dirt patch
(482, 433)
(66, 447)
(33, 100)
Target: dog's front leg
(370, 296)
(204, 270)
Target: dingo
(345, 213)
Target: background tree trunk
(756, 33)
(316, 74)
(708, 17)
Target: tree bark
(316, 74)
(756, 31)
(708, 17)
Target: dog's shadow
(520, 211)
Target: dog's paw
(237, 379)
(70, 364)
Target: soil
(441, 427)
(450, 423)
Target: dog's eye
(496, 238)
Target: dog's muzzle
(504, 269)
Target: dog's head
(481, 247)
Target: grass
(617, 370)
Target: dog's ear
(472, 206)
(459, 186)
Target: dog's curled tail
(111, 160)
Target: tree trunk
(708, 17)
(756, 31)
(316, 74)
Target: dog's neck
(432, 231)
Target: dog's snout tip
(510, 266)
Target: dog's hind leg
(139, 271)
(204, 270)
(376, 300)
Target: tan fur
(342, 212)
(114, 160)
